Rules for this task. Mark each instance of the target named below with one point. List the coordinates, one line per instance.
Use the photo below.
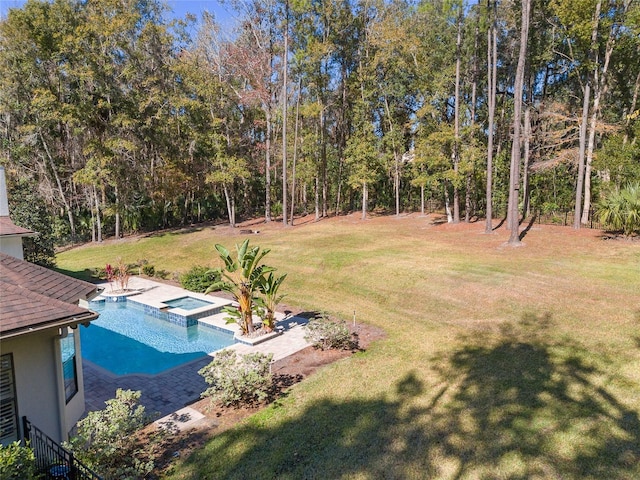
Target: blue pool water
(187, 303)
(123, 340)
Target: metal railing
(52, 460)
(565, 218)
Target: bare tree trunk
(365, 199)
(422, 200)
(527, 154)
(577, 212)
(98, 219)
(447, 206)
(339, 192)
(467, 200)
(117, 205)
(599, 91)
(396, 174)
(67, 207)
(295, 154)
(396, 178)
(323, 159)
(492, 70)
(474, 90)
(305, 200)
(514, 180)
(317, 196)
(285, 63)
(230, 208)
(456, 126)
(267, 197)
(93, 218)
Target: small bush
(199, 278)
(17, 462)
(237, 380)
(148, 270)
(163, 274)
(109, 441)
(99, 272)
(325, 333)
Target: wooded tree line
(122, 120)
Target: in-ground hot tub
(187, 303)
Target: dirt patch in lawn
(286, 373)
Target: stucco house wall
(38, 380)
(11, 246)
(38, 308)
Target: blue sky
(180, 8)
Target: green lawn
(499, 362)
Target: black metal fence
(52, 460)
(561, 217)
(565, 218)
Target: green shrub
(199, 278)
(325, 333)
(99, 272)
(237, 380)
(17, 462)
(149, 270)
(110, 442)
(163, 274)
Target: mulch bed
(287, 372)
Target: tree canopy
(128, 121)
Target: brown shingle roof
(7, 227)
(34, 297)
(44, 281)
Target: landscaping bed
(287, 372)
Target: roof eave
(21, 235)
(72, 321)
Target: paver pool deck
(169, 392)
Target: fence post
(72, 466)
(25, 428)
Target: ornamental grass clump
(119, 275)
(237, 380)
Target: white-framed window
(9, 431)
(69, 367)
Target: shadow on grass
(514, 404)
(531, 223)
(87, 274)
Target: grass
(499, 362)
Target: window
(8, 401)
(69, 370)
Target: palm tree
(241, 277)
(621, 209)
(269, 286)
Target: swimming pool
(123, 340)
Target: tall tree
(516, 154)
(492, 72)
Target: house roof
(8, 228)
(34, 298)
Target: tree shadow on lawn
(517, 404)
